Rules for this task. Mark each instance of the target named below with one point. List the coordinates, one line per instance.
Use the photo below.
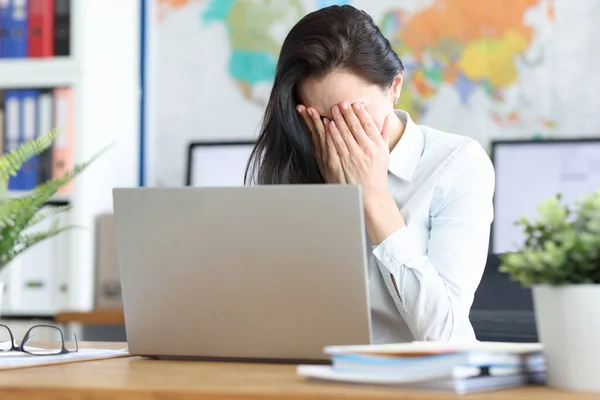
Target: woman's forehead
(335, 88)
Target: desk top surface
(135, 378)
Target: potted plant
(19, 214)
(560, 260)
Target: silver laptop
(238, 273)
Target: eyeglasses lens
(5, 339)
(43, 340)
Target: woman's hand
(362, 149)
(327, 158)
(364, 153)
(350, 149)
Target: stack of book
(35, 28)
(457, 367)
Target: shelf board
(57, 198)
(95, 317)
(27, 315)
(37, 72)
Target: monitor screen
(218, 164)
(529, 172)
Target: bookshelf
(103, 71)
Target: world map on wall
(487, 69)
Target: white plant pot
(568, 324)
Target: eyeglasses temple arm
(76, 343)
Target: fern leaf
(16, 214)
(3, 189)
(42, 215)
(25, 242)
(11, 162)
(15, 210)
(8, 209)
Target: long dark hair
(332, 38)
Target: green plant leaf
(25, 242)
(42, 215)
(19, 214)
(12, 162)
(562, 246)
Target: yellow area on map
(493, 59)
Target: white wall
(107, 47)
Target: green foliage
(562, 246)
(20, 215)
(12, 162)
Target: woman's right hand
(327, 157)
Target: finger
(344, 130)
(366, 122)
(333, 163)
(308, 121)
(355, 125)
(325, 153)
(340, 122)
(312, 119)
(319, 127)
(332, 154)
(338, 141)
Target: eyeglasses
(7, 341)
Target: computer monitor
(527, 172)
(217, 163)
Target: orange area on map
(173, 3)
(420, 85)
(551, 10)
(164, 6)
(465, 20)
(451, 73)
(548, 123)
(244, 88)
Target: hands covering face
(350, 148)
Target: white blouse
(444, 185)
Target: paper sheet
(17, 359)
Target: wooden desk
(134, 378)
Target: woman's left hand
(363, 149)
(364, 153)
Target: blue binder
(13, 25)
(5, 23)
(29, 131)
(21, 116)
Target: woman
(427, 194)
